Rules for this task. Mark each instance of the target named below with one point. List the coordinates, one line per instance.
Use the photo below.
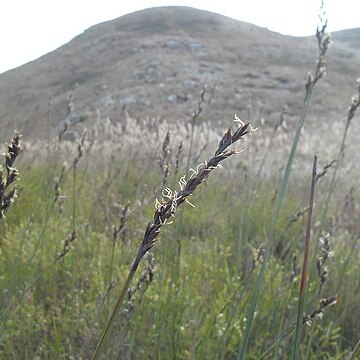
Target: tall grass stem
(304, 273)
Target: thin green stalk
(73, 265)
(111, 267)
(117, 307)
(355, 352)
(323, 42)
(73, 222)
(279, 202)
(304, 274)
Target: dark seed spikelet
(10, 176)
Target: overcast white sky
(32, 28)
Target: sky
(32, 28)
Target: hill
(156, 61)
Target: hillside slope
(155, 62)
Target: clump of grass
(166, 209)
(8, 191)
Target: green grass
(197, 312)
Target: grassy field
(225, 280)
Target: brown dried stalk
(305, 267)
(167, 209)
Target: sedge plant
(166, 209)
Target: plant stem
(119, 302)
(279, 201)
(355, 351)
(304, 274)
